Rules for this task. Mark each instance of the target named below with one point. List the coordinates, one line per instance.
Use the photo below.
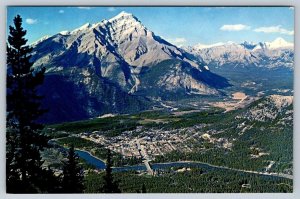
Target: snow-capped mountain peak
(279, 43)
(203, 46)
(278, 53)
(121, 15)
(81, 28)
(123, 51)
(64, 32)
(126, 23)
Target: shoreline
(282, 175)
(104, 160)
(77, 149)
(288, 176)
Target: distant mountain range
(272, 55)
(119, 66)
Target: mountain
(204, 46)
(279, 43)
(271, 55)
(271, 108)
(103, 66)
(267, 126)
(259, 135)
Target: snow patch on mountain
(40, 40)
(64, 32)
(82, 28)
(278, 53)
(279, 43)
(120, 15)
(203, 46)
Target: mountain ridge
(276, 54)
(123, 54)
(117, 48)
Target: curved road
(240, 170)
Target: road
(172, 146)
(240, 170)
(158, 149)
(145, 156)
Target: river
(99, 164)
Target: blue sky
(179, 25)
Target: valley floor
(241, 141)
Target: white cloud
(111, 9)
(235, 27)
(31, 21)
(179, 41)
(84, 8)
(291, 8)
(61, 11)
(274, 29)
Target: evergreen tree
(51, 183)
(144, 188)
(110, 186)
(72, 174)
(24, 142)
(12, 175)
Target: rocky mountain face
(270, 55)
(273, 108)
(114, 66)
(78, 94)
(261, 134)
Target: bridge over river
(145, 157)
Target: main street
(144, 156)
